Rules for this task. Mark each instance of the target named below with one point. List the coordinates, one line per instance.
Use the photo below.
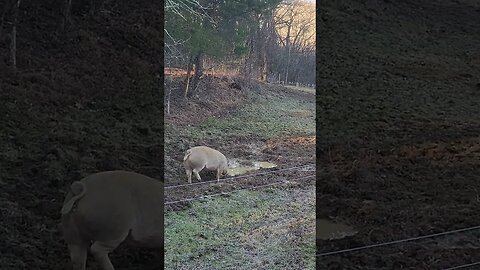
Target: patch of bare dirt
(213, 96)
(282, 152)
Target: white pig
(202, 157)
(104, 209)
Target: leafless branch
(192, 7)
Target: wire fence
(310, 176)
(398, 241)
(241, 176)
(463, 266)
(237, 190)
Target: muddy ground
(248, 121)
(223, 97)
(399, 131)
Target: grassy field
(267, 116)
(268, 229)
(300, 88)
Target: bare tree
(288, 48)
(260, 40)
(179, 7)
(295, 25)
(172, 44)
(190, 6)
(189, 70)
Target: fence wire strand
(241, 176)
(233, 191)
(463, 266)
(398, 241)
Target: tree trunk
(288, 45)
(13, 43)
(263, 65)
(198, 71)
(288, 65)
(169, 96)
(250, 58)
(266, 35)
(189, 71)
(261, 57)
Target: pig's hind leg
(189, 175)
(101, 249)
(195, 171)
(78, 255)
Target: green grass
(301, 88)
(266, 116)
(269, 229)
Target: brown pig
(202, 157)
(104, 209)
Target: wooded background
(268, 40)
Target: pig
(199, 157)
(104, 209)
